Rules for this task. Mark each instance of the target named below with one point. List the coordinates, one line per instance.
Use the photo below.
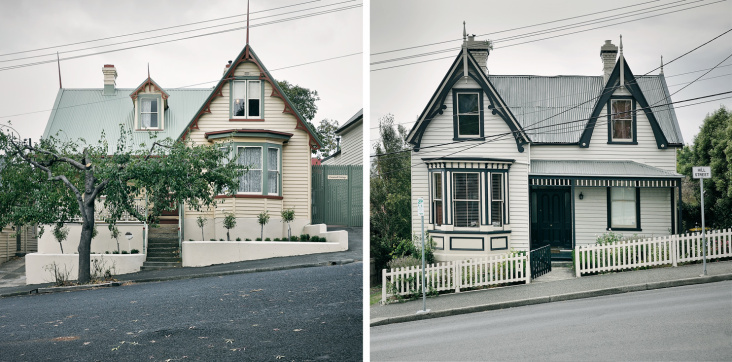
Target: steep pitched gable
(247, 55)
(436, 104)
(631, 84)
(152, 85)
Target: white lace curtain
(251, 180)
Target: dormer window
(621, 121)
(149, 110)
(246, 99)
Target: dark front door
(551, 218)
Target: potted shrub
(263, 219)
(287, 217)
(229, 223)
(201, 222)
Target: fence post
(577, 261)
(457, 265)
(674, 250)
(527, 271)
(383, 286)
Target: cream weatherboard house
(350, 149)
(544, 160)
(247, 115)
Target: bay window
(437, 198)
(466, 199)
(497, 199)
(264, 169)
(251, 180)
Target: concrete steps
(163, 250)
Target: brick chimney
(110, 79)
(227, 66)
(479, 49)
(608, 53)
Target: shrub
(229, 223)
(403, 262)
(288, 216)
(304, 237)
(267, 239)
(190, 239)
(609, 238)
(276, 239)
(323, 240)
(258, 239)
(238, 239)
(247, 239)
(124, 252)
(221, 239)
(293, 238)
(106, 252)
(134, 251)
(212, 239)
(115, 252)
(201, 222)
(315, 238)
(262, 219)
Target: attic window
(621, 121)
(149, 113)
(246, 99)
(468, 113)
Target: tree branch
(71, 162)
(149, 153)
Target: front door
(551, 218)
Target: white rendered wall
(37, 265)
(104, 242)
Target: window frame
(453, 199)
(633, 140)
(637, 211)
(456, 116)
(260, 96)
(159, 101)
(501, 201)
(435, 218)
(264, 177)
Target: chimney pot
(479, 49)
(110, 79)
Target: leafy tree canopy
(303, 99)
(326, 130)
(391, 212)
(712, 147)
(58, 180)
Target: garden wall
(47, 244)
(203, 253)
(36, 265)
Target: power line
(154, 30)
(550, 37)
(184, 38)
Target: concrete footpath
(549, 288)
(353, 254)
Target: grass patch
(375, 295)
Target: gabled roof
(86, 113)
(352, 121)
(436, 104)
(556, 109)
(633, 85)
(144, 84)
(247, 55)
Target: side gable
(631, 84)
(247, 55)
(436, 104)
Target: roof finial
(247, 22)
(464, 33)
(622, 63)
(465, 54)
(59, 71)
(621, 43)
(148, 70)
(661, 65)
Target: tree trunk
(87, 229)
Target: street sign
(702, 172)
(420, 207)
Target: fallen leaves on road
(65, 339)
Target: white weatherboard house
(350, 150)
(246, 114)
(544, 160)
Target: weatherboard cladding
(547, 106)
(86, 113)
(597, 169)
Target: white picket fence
(672, 249)
(456, 275)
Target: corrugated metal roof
(597, 169)
(86, 113)
(354, 118)
(545, 106)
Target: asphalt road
(688, 323)
(292, 315)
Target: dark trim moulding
(275, 197)
(469, 232)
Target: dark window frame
(637, 211)
(455, 117)
(633, 126)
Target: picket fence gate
(457, 275)
(672, 249)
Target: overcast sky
(404, 91)
(29, 25)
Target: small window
(497, 199)
(623, 208)
(466, 199)
(437, 198)
(468, 114)
(251, 180)
(273, 171)
(621, 116)
(149, 113)
(246, 99)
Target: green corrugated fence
(338, 195)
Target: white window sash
(242, 92)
